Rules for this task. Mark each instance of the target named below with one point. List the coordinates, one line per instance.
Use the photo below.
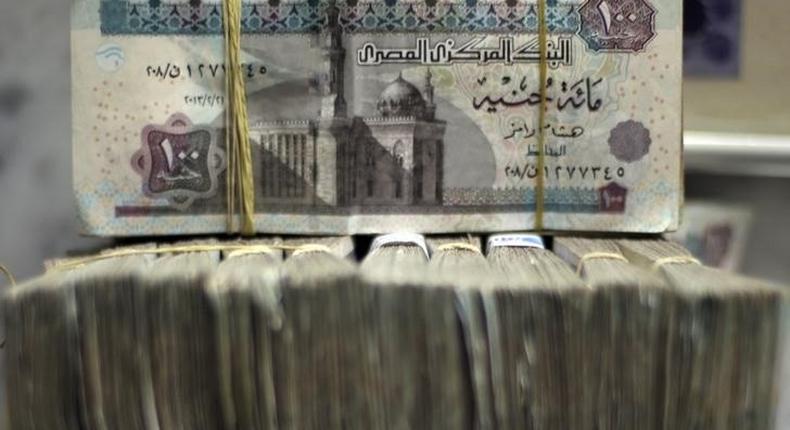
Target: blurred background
(737, 140)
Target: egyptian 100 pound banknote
(380, 115)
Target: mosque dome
(401, 98)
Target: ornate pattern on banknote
(178, 161)
(264, 17)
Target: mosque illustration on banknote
(394, 157)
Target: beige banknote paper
(371, 116)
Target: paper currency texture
(380, 115)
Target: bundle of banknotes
(435, 333)
(373, 116)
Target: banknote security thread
(369, 117)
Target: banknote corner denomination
(617, 26)
(179, 161)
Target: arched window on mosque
(398, 153)
(370, 160)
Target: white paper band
(401, 239)
(515, 241)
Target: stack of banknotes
(372, 116)
(422, 333)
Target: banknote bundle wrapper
(420, 334)
(371, 116)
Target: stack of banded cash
(423, 333)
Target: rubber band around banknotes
(240, 181)
(543, 79)
(255, 250)
(273, 249)
(462, 246)
(10, 276)
(185, 249)
(400, 239)
(311, 247)
(678, 259)
(598, 256)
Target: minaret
(333, 103)
(331, 141)
(430, 106)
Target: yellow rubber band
(253, 250)
(8, 275)
(183, 249)
(679, 259)
(311, 247)
(240, 179)
(597, 256)
(543, 76)
(459, 245)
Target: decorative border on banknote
(610, 198)
(156, 17)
